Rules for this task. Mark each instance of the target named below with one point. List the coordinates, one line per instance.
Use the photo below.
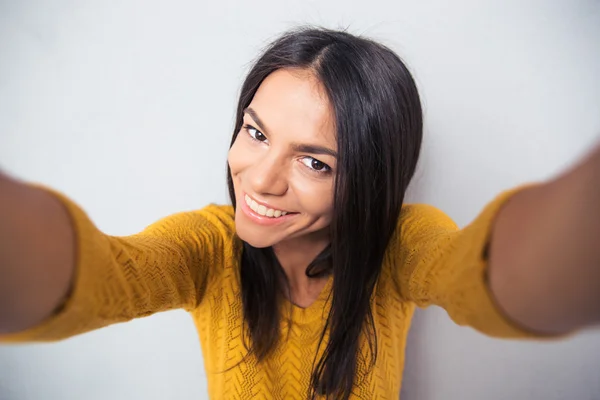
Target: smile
(263, 210)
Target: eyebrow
(298, 147)
(312, 149)
(256, 118)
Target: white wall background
(127, 107)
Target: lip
(262, 219)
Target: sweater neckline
(319, 309)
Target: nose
(268, 176)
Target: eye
(255, 133)
(316, 165)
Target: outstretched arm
(61, 276)
(544, 254)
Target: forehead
(293, 103)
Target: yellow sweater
(190, 260)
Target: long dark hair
(378, 122)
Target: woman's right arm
(61, 276)
(37, 254)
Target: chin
(254, 241)
(253, 237)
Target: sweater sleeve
(443, 265)
(168, 265)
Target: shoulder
(420, 229)
(422, 220)
(206, 237)
(209, 223)
(420, 236)
(220, 216)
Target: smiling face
(283, 163)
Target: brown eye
(260, 136)
(255, 133)
(315, 165)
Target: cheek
(237, 157)
(316, 198)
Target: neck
(294, 256)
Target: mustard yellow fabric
(190, 260)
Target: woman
(306, 286)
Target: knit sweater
(191, 260)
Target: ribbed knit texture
(191, 260)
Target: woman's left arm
(544, 253)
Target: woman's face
(283, 162)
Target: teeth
(262, 210)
